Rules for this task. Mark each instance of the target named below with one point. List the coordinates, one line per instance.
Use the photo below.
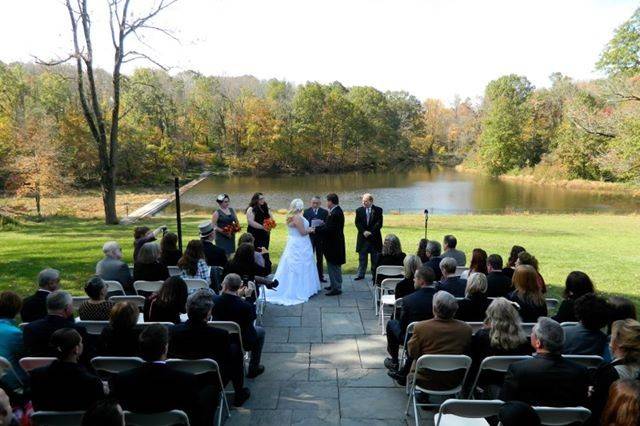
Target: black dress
(528, 311)
(262, 237)
(170, 257)
(473, 307)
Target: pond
(410, 190)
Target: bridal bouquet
(269, 224)
(232, 228)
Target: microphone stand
(426, 222)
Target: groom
(333, 244)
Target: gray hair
(434, 248)
(445, 305)
(316, 198)
(110, 248)
(448, 265)
(199, 304)
(549, 333)
(476, 283)
(58, 301)
(232, 281)
(47, 276)
(411, 264)
(149, 252)
(505, 330)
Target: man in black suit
(415, 307)
(34, 307)
(433, 251)
(498, 284)
(155, 387)
(228, 306)
(318, 213)
(547, 379)
(369, 243)
(450, 282)
(214, 255)
(194, 339)
(333, 244)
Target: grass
(603, 246)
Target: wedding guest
(169, 252)
(620, 308)
(97, 308)
(65, 385)
(120, 337)
(475, 303)
(105, 412)
(405, 287)
(143, 235)
(169, 302)
(261, 256)
(422, 250)
(450, 282)
(525, 258)
(34, 307)
(391, 255)
(478, 263)
(257, 212)
(527, 294)
(511, 262)
(585, 338)
(192, 264)
(147, 266)
(112, 268)
(214, 255)
(449, 244)
(433, 253)
(369, 220)
(11, 345)
(498, 284)
(221, 218)
(316, 212)
(576, 285)
(623, 405)
(243, 263)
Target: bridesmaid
(257, 212)
(222, 217)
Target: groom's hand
(366, 234)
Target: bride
(297, 272)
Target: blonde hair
(476, 283)
(626, 335)
(295, 207)
(411, 264)
(505, 325)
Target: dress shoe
(391, 364)
(241, 396)
(255, 371)
(322, 280)
(328, 287)
(273, 284)
(333, 293)
(358, 278)
(399, 378)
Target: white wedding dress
(297, 273)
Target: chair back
(475, 325)
(390, 270)
(444, 363)
(389, 284)
(146, 324)
(527, 327)
(552, 416)
(194, 284)
(57, 418)
(552, 304)
(33, 362)
(147, 286)
(568, 323)
(589, 361)
(114, 286)
(108, 365)
(167, 418)
(194, 366)
(136, 300)
(230, 327)
(496, 363)
(93, 327)
(79, 300)
(470, 409)
(460, 270)
(173, 271)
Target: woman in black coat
(148, 266)
(120, 337)
(577, 284)
(391, 255)
(474, 306)
(527, 294)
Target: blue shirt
(12, 348)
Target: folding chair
(495, 363)
(194, 284)
(568, 324)
(136, 300)
(469, 410)
(475, 325)
(443, 363)
(106, 366)
(389, 271)
(552, 416)
(460, 270)
(589, 361)
(403, 352)
(552, 304)
(147, 286)
(231, 328)
(167, 418)
(79, 300)
(31, 363)
(202, 366)
(114, 287)
(261, 303)
(527, 327)
(173, 271)
(93, 327)
(57, 418)
(386, 298)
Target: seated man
(37, 334)
(450, 282)
(433, 253)
(586, 338)
(449, 245)
(441, 335)
(194, 339)
(547, 379)
(34, 307)
(415, 307)
(112, 268)
(230, 307)
(214, 255)
(498, 284)
(155, 387)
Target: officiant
(369, 243)
(318, 214)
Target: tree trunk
(108, 184)
(38, 209)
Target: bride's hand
(311, 230)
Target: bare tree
(105, 132)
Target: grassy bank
(604, 246)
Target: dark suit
(64, 386)
(434, 263)
(498, 284)
(453, 285)
(316, 238)
(214, 255)
(546, 380)
(334, 250)
(119, 342)
(371, 245)
(34, 307)
(37, 334)
(473, 308)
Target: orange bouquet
(269, 224)
(232, 228)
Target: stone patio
(324, 366)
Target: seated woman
(422, 250)
(192, 264)
(243, 263)
(478, 264)
(65, 385)
(168, 303)
(511, 263)
(148, 266)
(391, 255)
(577, 284)
(625, 349)
(120, 337)
(527, 294)
(623, 404)
(525, 258)
(169, 252)
(475, 303)
(261, 256)
(405, 287)
(97, 308)
(11, 346)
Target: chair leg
(415, 408)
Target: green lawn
(604, 246)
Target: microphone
(426, 211)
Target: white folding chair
(527, 327)
(388, 271)
(93, 327)
(167, 418)
(588, 361)
(113, 286)
(32, 362)
(79, 300)
(202, 366)
(231, 328)
(403, 352)
(476, 410)
(194, 284)
(568, 323)
(552, 416)
(147, 286)
(261, 303)
(106, 366)
(442, 363)
(136, 300)
(387, 298)
(475, 325)
(57, 418)
(495, 363)
(552, 304)
(460, 270)
(173, 271)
